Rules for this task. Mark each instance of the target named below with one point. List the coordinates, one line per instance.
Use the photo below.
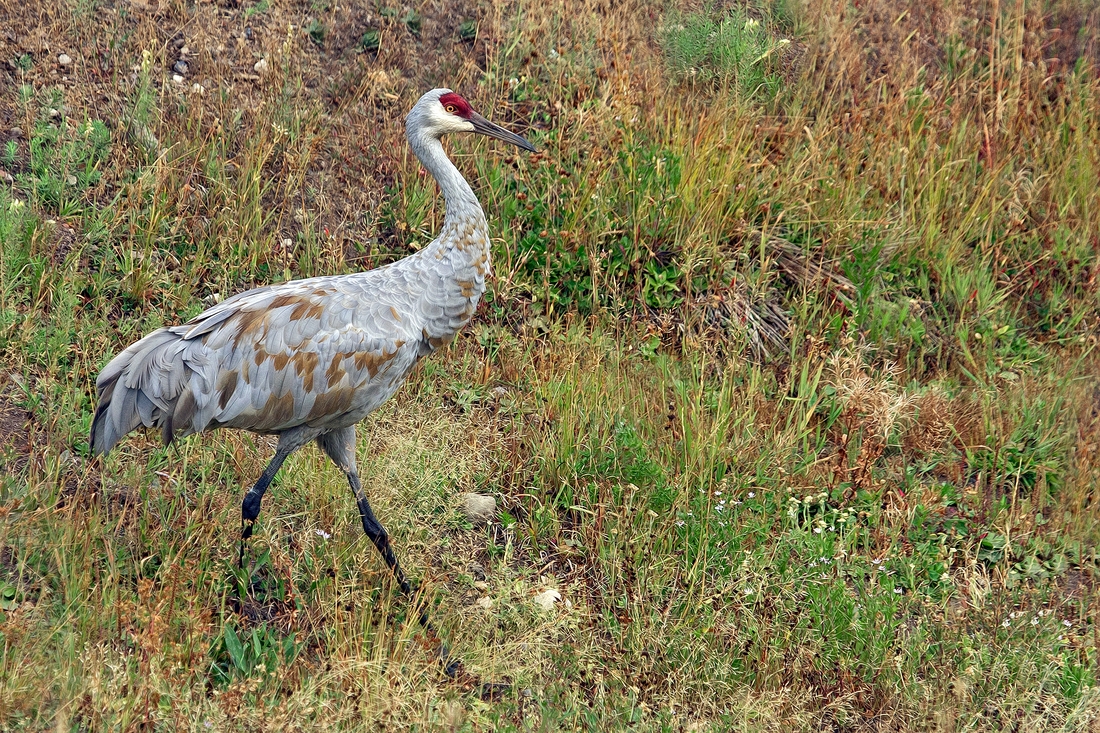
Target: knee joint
(250, 507)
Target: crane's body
(306, 360)
(313, 355)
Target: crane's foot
(456, 670)
(494, 691)
(487, 691)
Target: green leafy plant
(261, 652)
(370, 41)
(467, 31)
(261, 7)
(316, 31)
(11, 151)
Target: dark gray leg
(250, 507)
(339, 445)
(378, 535)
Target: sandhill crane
(307, 360)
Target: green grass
(733, 49)
(785, 382)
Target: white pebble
(261, 66)
(479, 508)
(64, 59)
(177, 78)
(484, 603)
(547, 599)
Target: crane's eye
(451, 108)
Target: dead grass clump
(733, 316)
(874, 409)
(933, 425)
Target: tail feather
(146, 384)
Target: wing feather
(323, 352)
(309, 353)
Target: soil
(15, 430)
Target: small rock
(547, 599)
(64, 59)
(287, 243)
(261, 66)
(54, 114)
(176, 78)
(479, 508)
(499, 392)
(180, 67)
(6, 177)
(477, 570)
(198, 88)
(481, 585)
(484, 603)
(185, 51)
(71, 180)
(15, 133)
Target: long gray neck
(462, 205)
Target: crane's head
(441, 111)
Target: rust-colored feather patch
(249, 323)
(373, 362)
(306, 309)
(281, 301)
(331, 403)
(305, 362)
(276, 412)
(335, 369)
(227, 385)
(182, 416)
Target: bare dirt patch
(15, 430)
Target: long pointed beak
(484, 127)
